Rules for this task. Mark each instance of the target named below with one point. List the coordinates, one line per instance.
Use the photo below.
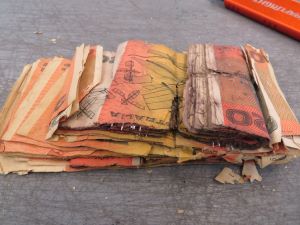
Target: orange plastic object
(282, 15)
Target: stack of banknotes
(147, 105)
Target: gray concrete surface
(139, 196)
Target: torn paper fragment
(291, 142)
(235, 158)
(228, 176)
(250, 171)
(264, 161)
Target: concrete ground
(176, 195)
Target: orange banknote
(280, 118)
(220, 102)
(49, 95)
(140, 96)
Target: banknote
(51, 93)
(280, 119)
(23, 165)
(214, 110)
(144, 86)
(90, 106)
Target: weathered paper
(227, 176)
(291, 141)
(24, 165)
(280, 119)
(264, 161)
(14, 96)
(90, 106)
(146, 105)
(250, 171)
(144, 86)
(213, 108)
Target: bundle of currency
(148, 105)
(220, 101)
(140, 91)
